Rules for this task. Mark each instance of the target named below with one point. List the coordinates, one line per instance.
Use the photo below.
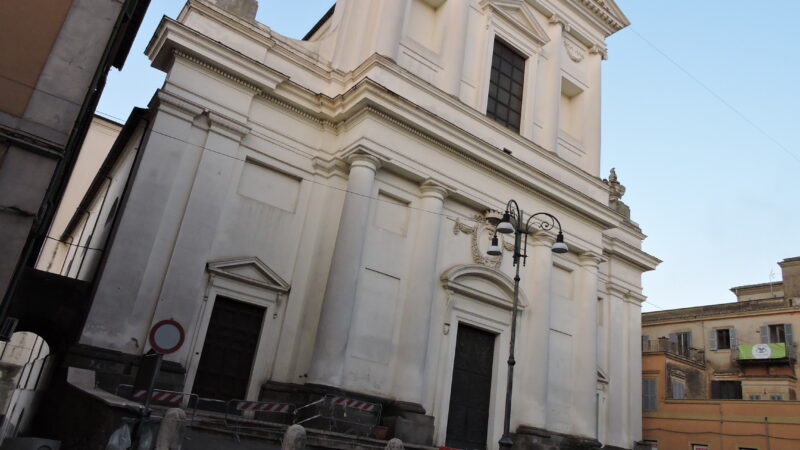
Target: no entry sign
(166, 336)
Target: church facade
(315, 214)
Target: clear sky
(698, 120)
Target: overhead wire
(716, 95)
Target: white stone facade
(342, 183)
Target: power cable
(716, 95)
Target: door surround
(481, 297)
(246, 280)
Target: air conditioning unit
(29, 443)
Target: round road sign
(166, 336)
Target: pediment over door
(518, 14)
(484, 284)
(251, 271)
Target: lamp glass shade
(559, 246)
(505, 226)
(494, 249)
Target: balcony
(663, 345)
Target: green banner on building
(762, 351)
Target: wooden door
(468, 417)
(229, 350)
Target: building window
(699, 446)
(775, 334)
(648, 394)
(776, 397)
(723, 336)
(505, 86)
(678, 388)
(680, 343)
(731, 390)
(755, 396)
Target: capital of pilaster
(598, 50)
(433, 189)
(365, 160)
(541, 238)
(590, 260)
(555, 19)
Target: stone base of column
(532, 438)
(404, 420)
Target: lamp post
(513, 222)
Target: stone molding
(363, 159)
(269, 279)
(450, 282)
(434, 189)
(212, 68)
(590, 259)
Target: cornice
(212, 68)
(718, 312)
(627, 294)
(607, 11)
(614, 248)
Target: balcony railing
(672, 348)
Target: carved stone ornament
(481, 234)
(575, 53)
(616, 189)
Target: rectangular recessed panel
(373, 323)
(391, 214)
(269, 186)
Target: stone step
(212, 433)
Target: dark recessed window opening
(723, 338)
(726, 390)
(505, 86)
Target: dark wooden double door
(470, 393)
(229, 350)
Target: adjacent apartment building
(54, 58)
(725, 376)
(315, 216)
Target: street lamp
(513, 222)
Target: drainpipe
(766, 431)
(94, 228)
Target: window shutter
(648, 394)
(734, 341)
(689, 339)
(765, 334)
(787, 329)
(712, 339)
(673, 338)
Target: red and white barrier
(356, 404)
(161, 396)
(264, 407)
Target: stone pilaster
(414, 346)
(591, 124)
(530, 400)
(549, 96)
(585, 393)
(340, 292)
